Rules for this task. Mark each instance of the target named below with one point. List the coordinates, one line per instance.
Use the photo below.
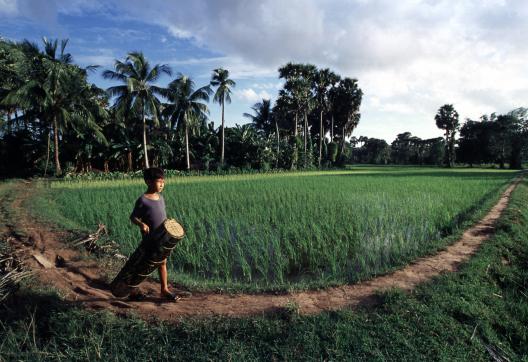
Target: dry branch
(11, 273)
(99, 243)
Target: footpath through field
(81, 280)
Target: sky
(410, 56)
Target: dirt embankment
(83, 282)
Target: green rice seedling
(294, 230)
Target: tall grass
(314, 228)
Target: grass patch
(291, 230)
(470, 315)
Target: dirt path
(81, 280)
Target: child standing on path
(149, 213)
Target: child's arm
(142, 226)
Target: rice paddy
(293, 230)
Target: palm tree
(186, 107)
(323, 80)
(346, 100)
(220, 79)
(57, 72)
(11, 76)
(447, 119)
(262, 120)
(262, 117)
(299, 78)
(57, 91)
(138, 91)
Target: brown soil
(82, 280)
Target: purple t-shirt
(151, 212)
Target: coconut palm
(186, 107)
(263, 120)
(57, 91)
(137, 91)
(262, 117)
(220, 79)
(11, 76)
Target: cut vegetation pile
(11, 272)
(293, 230)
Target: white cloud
(250, 95)
(410, 56)
(8, 7)
(273, 86)
(438, 48)
(106, 61)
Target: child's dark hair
(153, 173)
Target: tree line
(51, 116)
(494, 139)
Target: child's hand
(144, 228)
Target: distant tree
(519, 137)
(435, 149)
(346, 98)
(56, 92)
(469, 143)
(243, 141)
(138, 90)
(261, 118)
(13, 71)
(284, 116)
(447, 119)
(264, 122)
(401, 148)
(323, 80)
(409, 149)
(220, 80)
(511, 129)
(375, 151)
(298, 88)
(206, 144)
(506, 126)
(121, 143)
(188, 107)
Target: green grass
(291, 230)
(455, 317)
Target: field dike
(83, 281)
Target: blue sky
(410, 56)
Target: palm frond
(119, 91)
(110, 74)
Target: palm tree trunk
(129, 159)
(295, 129)
(502, 154)
(294, 151)
(187, 146)
(305, 137)
(343, 142)
(222, 137)
(278, 143)
(8, 115)
(47, 153)
(321, 133)
(25, 121)
(145, 139)
(452, 145)
(58, 170)
(332, 130)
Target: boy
(149, 213)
